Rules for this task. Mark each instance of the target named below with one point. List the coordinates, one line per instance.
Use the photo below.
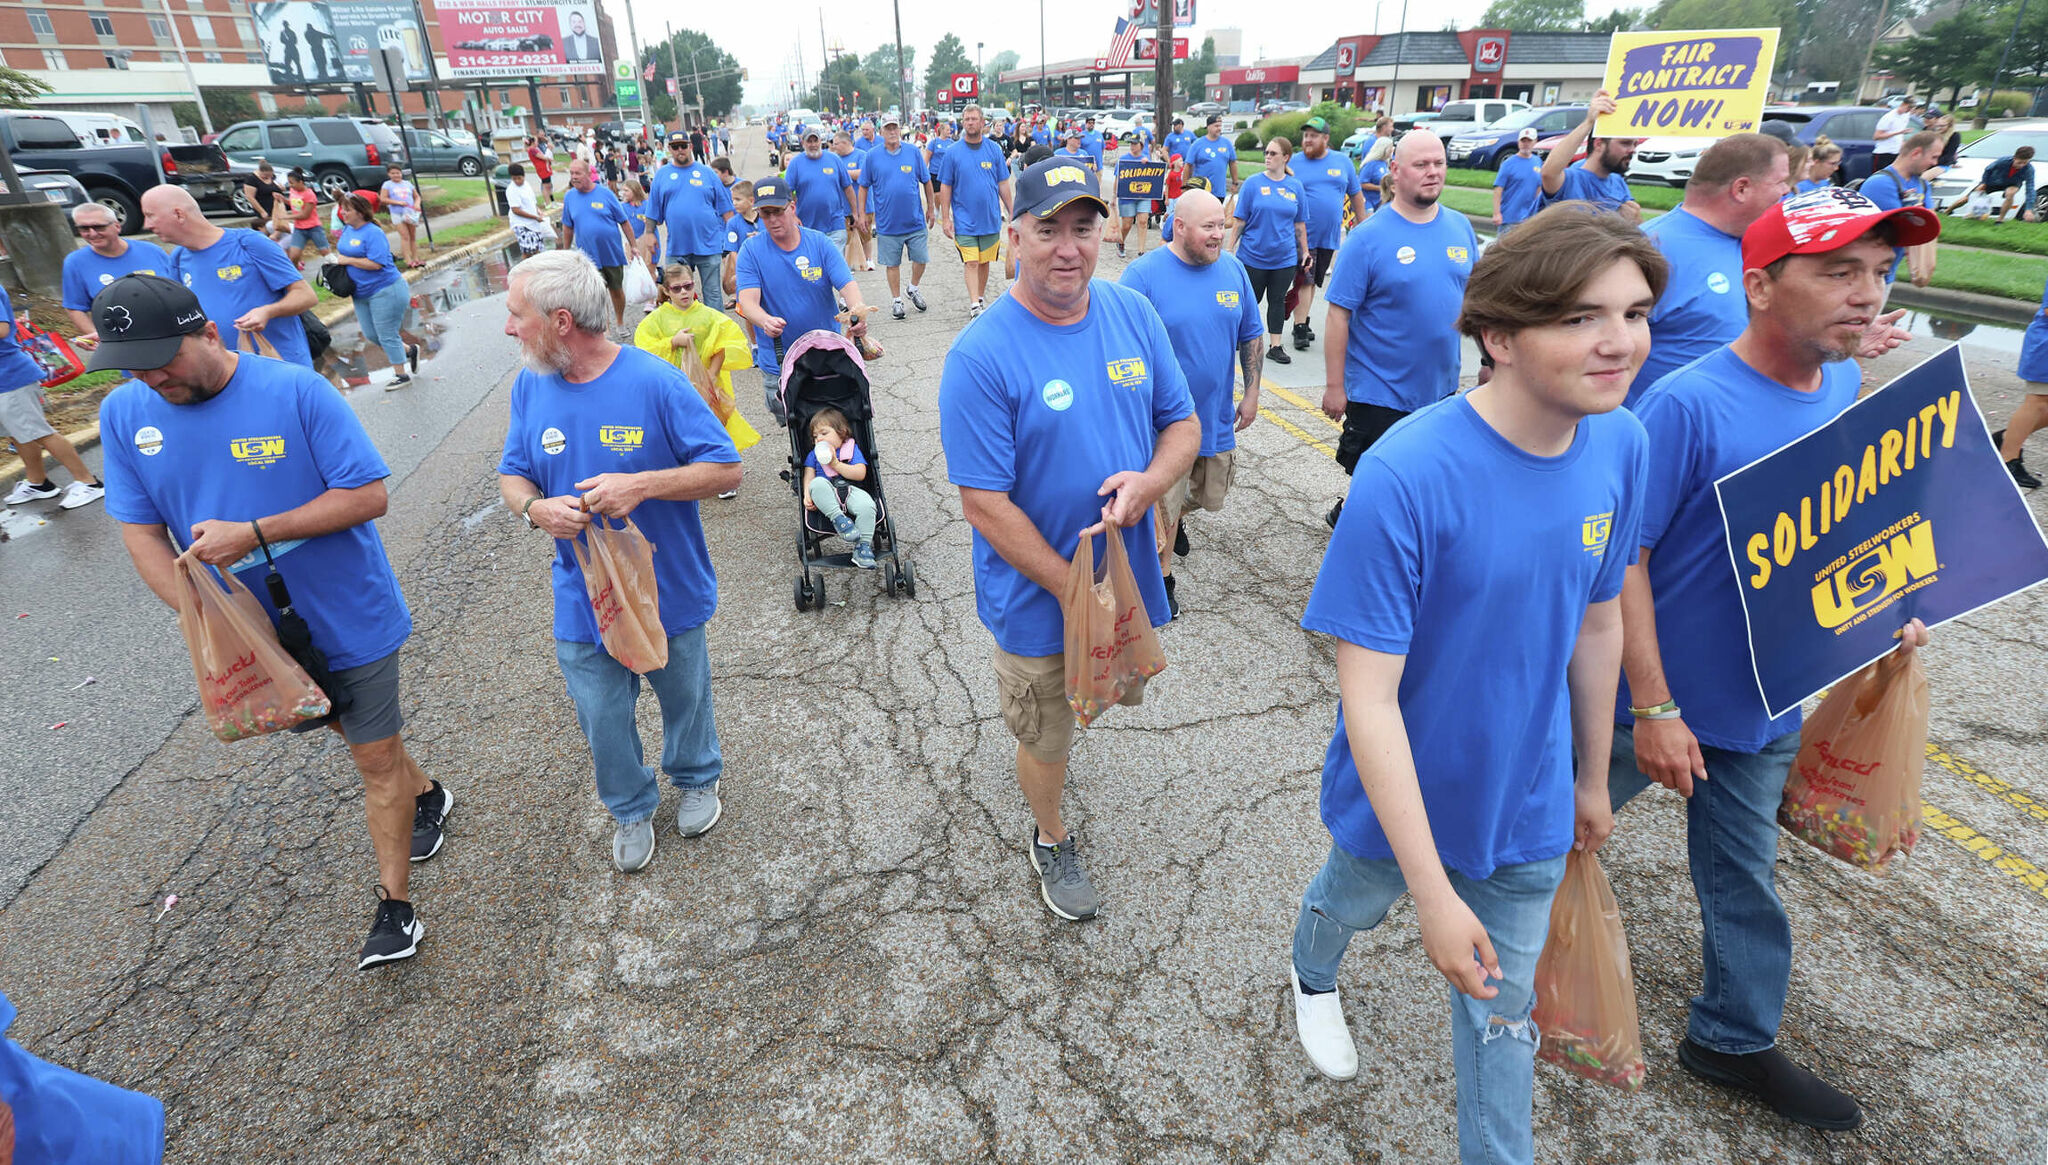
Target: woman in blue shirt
(1269, 232)
(383, 297)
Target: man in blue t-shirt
(974, 202)
(258, 467)
(1330, 186)
(1518, 186)
(1903, 184)
(786, 276)
(1178, 139)
(817, 180)
(245, 283)
(1204, 296)
(1473, 815)
(596, 223)
(1602, 178)
(1393, 305)
(105, 257)
(606, 434)
(692, 202)
(1091, 142)
(1214, 157)
(51, 1115)
(1063, 414)
(1689, 716)
(899, 208)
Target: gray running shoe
(633, 846)
(699, 811)
(916, 298)
(1062, 879)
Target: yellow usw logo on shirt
(621, 438)
(1128, 373)
(1593, 532)
(1227, 298)
(257, 451)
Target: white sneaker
(1319, 1021)
(80, 493)
(24, 491)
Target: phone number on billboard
(506, 60)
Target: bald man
(1401, 278)
(1212, 319)
(246, 284)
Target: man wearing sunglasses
(691, 200)
(105, 257)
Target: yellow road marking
(1997, 788)
(2033, 877)
(1301, 403)
(1297, 432)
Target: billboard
(318, 42)
(485, 38)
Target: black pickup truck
(116, 175)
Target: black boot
(1278, 355)
(1172, 604)
(1792, 1092)
(1180, 540)
(1302, 336)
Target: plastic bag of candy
(1854, 788)
(1585, 990)
(1110, 645)
(248, 685)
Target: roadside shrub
(1343, 121)
(1249, 140)
(2006, 103)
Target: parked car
(434, 152)
(1273, 108)
(1482, 149)
(1204, 110)
(1852, 127)
(1463, 116)
(113, 175)
(1956, 182)
(53, 186)
(339, 153)
(1667, 160)
(619, 131)
(1406, 121)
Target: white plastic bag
(639, 282)
(1980, 206)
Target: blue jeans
(710, 271)
(1493, 1044)
(382, 314)
(605, 693)
(1731, 839)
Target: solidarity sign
(1899, 508)
(1140, 182)
(1688, 84)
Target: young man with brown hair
(1470, 753)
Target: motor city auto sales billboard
(315, 42)
(490, 38)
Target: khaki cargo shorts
(1206, 484)
(1034, 697)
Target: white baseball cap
(1528, 134)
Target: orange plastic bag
(618, 571)
(1854, 789)
(721, 402)
(1585, 990)
(248, 685)
(1110, 644)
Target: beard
(1620, 167)
(549, 356)
(1426, 200)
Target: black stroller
(823, 369)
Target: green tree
(703, 71)
(1194, 76)
(2029, 58)
(1956, 53)
(883, 72)
(1679, 15)
(1619, 20)
(843, 86)
(1535, 15)
(1829, 38)
(999, 64)
(949, 56)
(18, 88)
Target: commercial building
(1411, 72)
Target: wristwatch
(526, 512)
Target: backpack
(339, 278)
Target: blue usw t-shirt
(1179, 143)
(240, 272)
(1327, 184)
(639, 415)
(62, 1116)
(1374, 174)
(1414, 568)
(274, 439)
(975, 174)
(596, 218)
(1208, 311)
(87, 272)
(368, 242)
(895, 180)
(1404, 284)
(1269, 209)
(2034, 347)
(738, 229)
(1047, 413)
(692, 202)
(1582, 184)
(1091, 144)
(1211, 160)
(820, 187)
(1706, 420)
(18, 369)
(1521, 188)
(796, 285)
(1892, 190)
(1703, 305)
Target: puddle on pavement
(351, 362)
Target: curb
(329, 313)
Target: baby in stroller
(831, 470)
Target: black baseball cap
(1178, 121)
(1214, 119)
(771, 192)
(1044, 188)
(142, 320)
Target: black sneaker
(1180, 539)
(1301, 337)
(412, 356)
(2018, 468)
(394, 935)
(429, 815)
(1278, 355)
(1119, 250)
(1335, 511)
(1792, 1092)
(1172, 604)
(1308, 331)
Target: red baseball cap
(1824, 220)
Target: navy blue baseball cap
(1045, 188)
(771, 192)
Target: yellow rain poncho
(713, 332)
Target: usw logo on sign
(1853, 589)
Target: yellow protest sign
(1700, 83)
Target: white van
(810, 117)
(101, 129)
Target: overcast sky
(765, 37)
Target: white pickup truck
(1463, 116)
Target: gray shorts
(372, 694)
(21, 414)
(314, 235)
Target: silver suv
(338, 154)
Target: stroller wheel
(889, 578)
(806, 594)
(906, 581)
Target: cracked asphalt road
(854, 965)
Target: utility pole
(1983, 106)
(902, 82)
(633, 33)
(675, 70)
(824, 55)
(178, 42)
(1043, 100)
(1400, 50)
(1162, 76)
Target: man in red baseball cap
(1689, 716)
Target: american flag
(1121, 44)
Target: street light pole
(185, 59)
(902, 82)
(1041, 55)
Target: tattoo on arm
(1251, 359)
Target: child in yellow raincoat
(684, 331)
